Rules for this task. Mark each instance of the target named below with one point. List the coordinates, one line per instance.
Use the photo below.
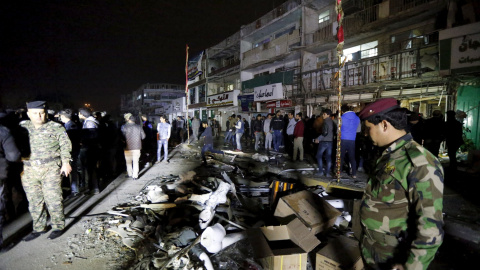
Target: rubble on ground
(204, 219)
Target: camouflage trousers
(42, 184)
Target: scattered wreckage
(211, 219)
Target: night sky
(77, 52)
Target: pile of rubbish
(210, 219)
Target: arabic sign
(222, 99)
(268, 92)
(279, 104)
(465, 51)
(246, 102)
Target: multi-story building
(223, 79)
(214, 81)
(197, 86)
(151, 99)
(391, 50)
(270, 53)
(287, 59)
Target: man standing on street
(89, 151)
(8, 153)
(268, 132)
(290, 128)
(350, 123)
(257, 129)
(208, 142)
(434, 132)
(453, 138)
(325, 141)
(180, 125)
(298, 137)
(401, 209)
(227, 131)
(73, 133)
(48, 159)
(133, 135)
(164, 131)
(239, 128)
(195, 128)
(277, 126)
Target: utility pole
(186, 96)
(340, 37)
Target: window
(361, 51)
(229, 60)
(324, 17)
(261, 42)
(286, 31)
(408, 39)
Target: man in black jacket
(208, 142)
(133, 135)
(277, 126)
(8, 153)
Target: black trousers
(3, 208)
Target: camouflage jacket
(403, 202)
(50, 140)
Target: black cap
(67, 113)
(36, 105)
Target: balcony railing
(379, 69)
(271, 49)
(270, 16)
(401, 5)
(226, 67)
(233, 39)
(354, 23)
(323, 34)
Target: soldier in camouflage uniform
(48, 159)
(401, 209)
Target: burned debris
(216, 217)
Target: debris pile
(211, 219)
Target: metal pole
(340, 38)
(186, 97)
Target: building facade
(151, 99)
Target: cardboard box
(277, 255)
(340, 253)
(302, 215)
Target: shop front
(271, 98)
(222, 105)
(460, 60)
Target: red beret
(380, 106)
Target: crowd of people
(47, 156)
(43, 153)
(316, 136)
